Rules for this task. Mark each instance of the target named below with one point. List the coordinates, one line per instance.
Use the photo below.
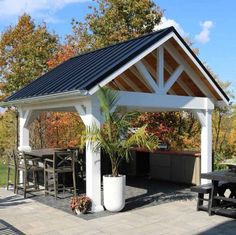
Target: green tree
(24, 52)
(112, 21)
(7, 130)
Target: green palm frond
(114, 136)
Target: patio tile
(178, 217)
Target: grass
(3, 173)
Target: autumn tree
(7, 130)
(24, 52)
(56, 129)
(112, 21)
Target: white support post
(23, 135)
(91, 115)
(205, 118)
(23, 129)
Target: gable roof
(87, 70)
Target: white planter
(114, 192)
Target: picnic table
(219, 203)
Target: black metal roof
(84, 71)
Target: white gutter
(62, 95)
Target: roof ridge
(171, 28)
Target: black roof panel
(84, 71)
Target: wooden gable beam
(129, 82)
(134, 71)
(187, 68)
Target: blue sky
(209, 23)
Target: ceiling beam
(129, 82)
(140, 78)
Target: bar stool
(63, 162)
(29, 166)
(11, 166)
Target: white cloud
(204, 36)
(47, 8)
(170, 22)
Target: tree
(113, 21)
(56, 129)
(7, 130)
(24, 52)
(63, 53)
(178, 130)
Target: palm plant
(115, 136)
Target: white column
(205, 118)
(23, 130)
(91, 115)
(23, 135)
(206, 145)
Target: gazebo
(155, 72)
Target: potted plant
(81, 204)
(116, 139)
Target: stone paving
(27, 216)
(140, 192)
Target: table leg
(212, 201)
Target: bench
(204, 189)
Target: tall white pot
(114, 192)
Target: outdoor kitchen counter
(170, 152)
(173, 166)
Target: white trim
(46, 98)
(146, 75)
(131, 62)
(173, 78)
(56, 104)
(201, 69)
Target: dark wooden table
(43, 153)
(217, 201)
